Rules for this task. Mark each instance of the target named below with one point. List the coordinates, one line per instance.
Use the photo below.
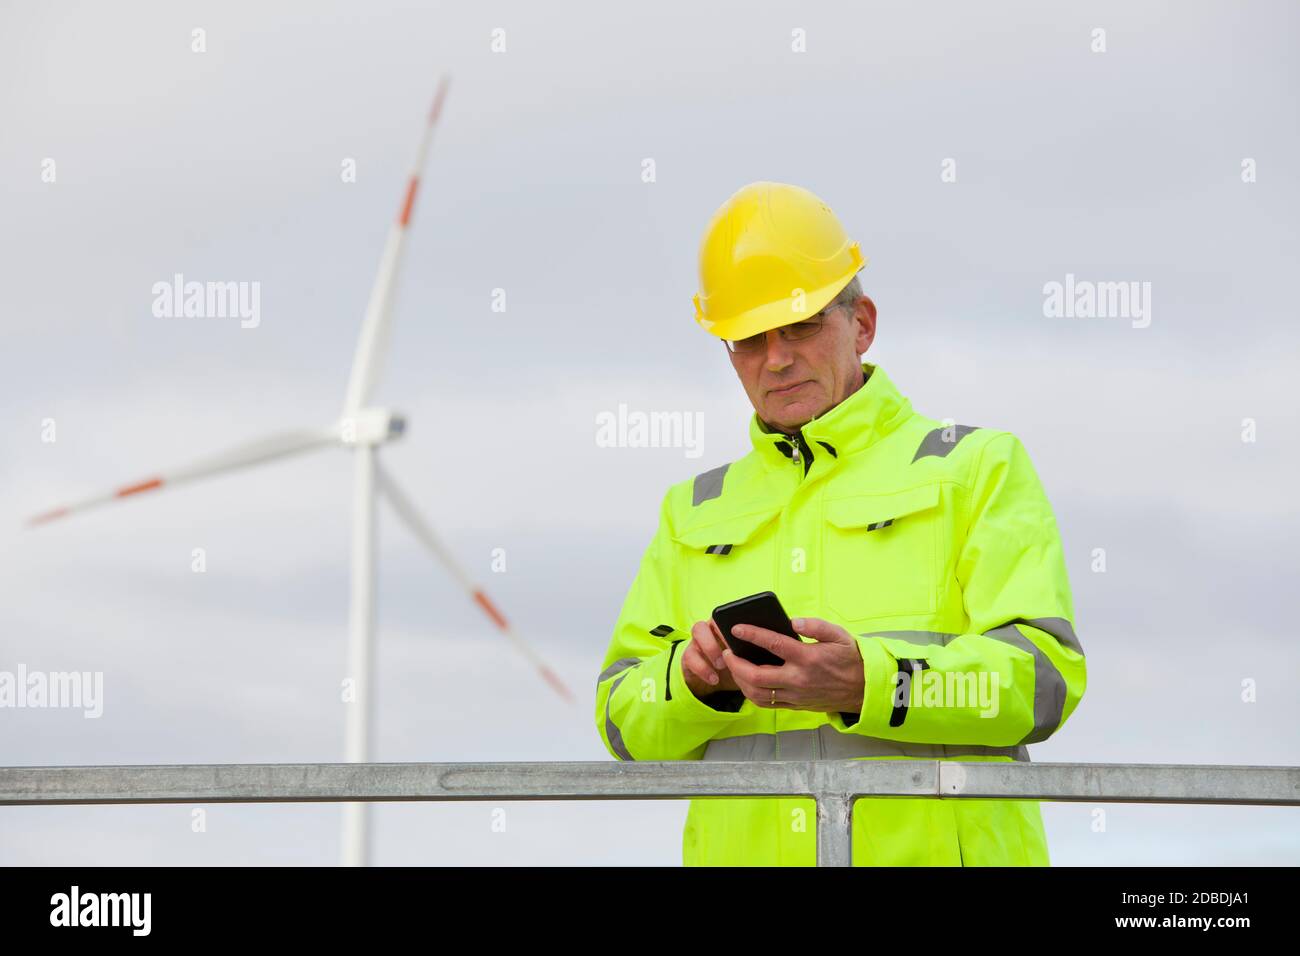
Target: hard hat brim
(773, 315)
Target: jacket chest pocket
(725, 559)
(880, 554)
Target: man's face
(790, 383)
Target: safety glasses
(794, 332)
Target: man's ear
(864, 313)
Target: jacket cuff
(878, 670)
(722, 705)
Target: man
(920, 561)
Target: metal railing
(834, 784)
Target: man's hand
(825, 676)
(702, 664)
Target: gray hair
(847, 296)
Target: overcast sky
(1119, 166)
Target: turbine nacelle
(371, 426)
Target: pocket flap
(736, 529)
(866, 510)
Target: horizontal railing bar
(651, 780)
(1123, 783)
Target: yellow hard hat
(772, 254)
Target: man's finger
(700, 668)
(823, 631)
(722, 644)
(706, 637)
(759, 677)
(782, 645)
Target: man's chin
(788, 422)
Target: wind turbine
(362, 429)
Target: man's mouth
(787, 390)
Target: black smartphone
(761, 610)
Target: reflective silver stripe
(708, 484)
(615, 667)
(1049, 685)
(933, 443)
(1059, 628)
(611, 729)
(827, 743)
(914, 637)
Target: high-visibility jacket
(936, 547)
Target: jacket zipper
(799, 453)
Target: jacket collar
(859, 421)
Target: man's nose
(778, 351)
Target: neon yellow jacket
(937, 546)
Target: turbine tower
(362, 429)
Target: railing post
(834, 829)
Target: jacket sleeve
(1018, 672)
(644, 710)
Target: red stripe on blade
(488, 606)
(558, 684)
(48, 516)
(149, 485)
(410, 201)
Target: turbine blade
(424, 532)
(242, 456)
(373, 343)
